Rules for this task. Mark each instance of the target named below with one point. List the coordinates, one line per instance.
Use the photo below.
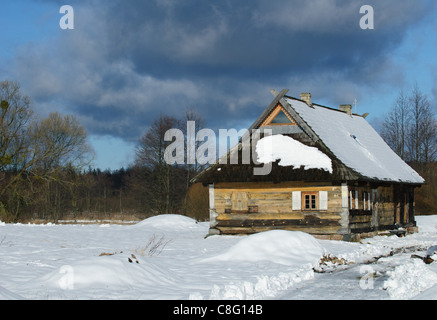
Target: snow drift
(107, 271)
(294, 253)
(168, 222)
(410, 279)
(291, 248)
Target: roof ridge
(320, 105)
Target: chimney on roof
(306, 96)
(346, 108)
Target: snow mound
(264, 286)
(427, 224)
(291, 152)
(291, 248)
(168, 222)
(112, 271)
(432, 252)
(410, 279)
(5, 294)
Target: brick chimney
(306, 96)
(346, 108)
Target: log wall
(251, 207)
(255, 207)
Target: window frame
(268, 120)
(311, 194)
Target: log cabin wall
(324, 209)
(362, 201)
(385, 207)
(244, 208)
(375, 208)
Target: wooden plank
(271, 185)
(360, 219)
(265, 216)
(276, 222)
(250, 230)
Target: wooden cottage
(365, 189)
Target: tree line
(45, 170)
(410, 129)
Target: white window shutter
(356, 199)
(323, 200)
(296, 200)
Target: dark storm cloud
(128, 61)
(250, 37)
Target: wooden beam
(269, 109)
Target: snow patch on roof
(291, 152)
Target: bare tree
(410, 128)
(150, 153)
(421, 142)
(58, 142)
(394, 130)
(15, 119)
(32, 149)
(191, 115)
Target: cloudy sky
(127, 62)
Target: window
(353, 199)
(314, 200)
(369, 202)
(367, 205)
(278, 117)
(281, 118)
(360, 200)
(310, 200)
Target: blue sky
(127, 62)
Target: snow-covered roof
(355, 143)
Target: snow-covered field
(168, 257)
